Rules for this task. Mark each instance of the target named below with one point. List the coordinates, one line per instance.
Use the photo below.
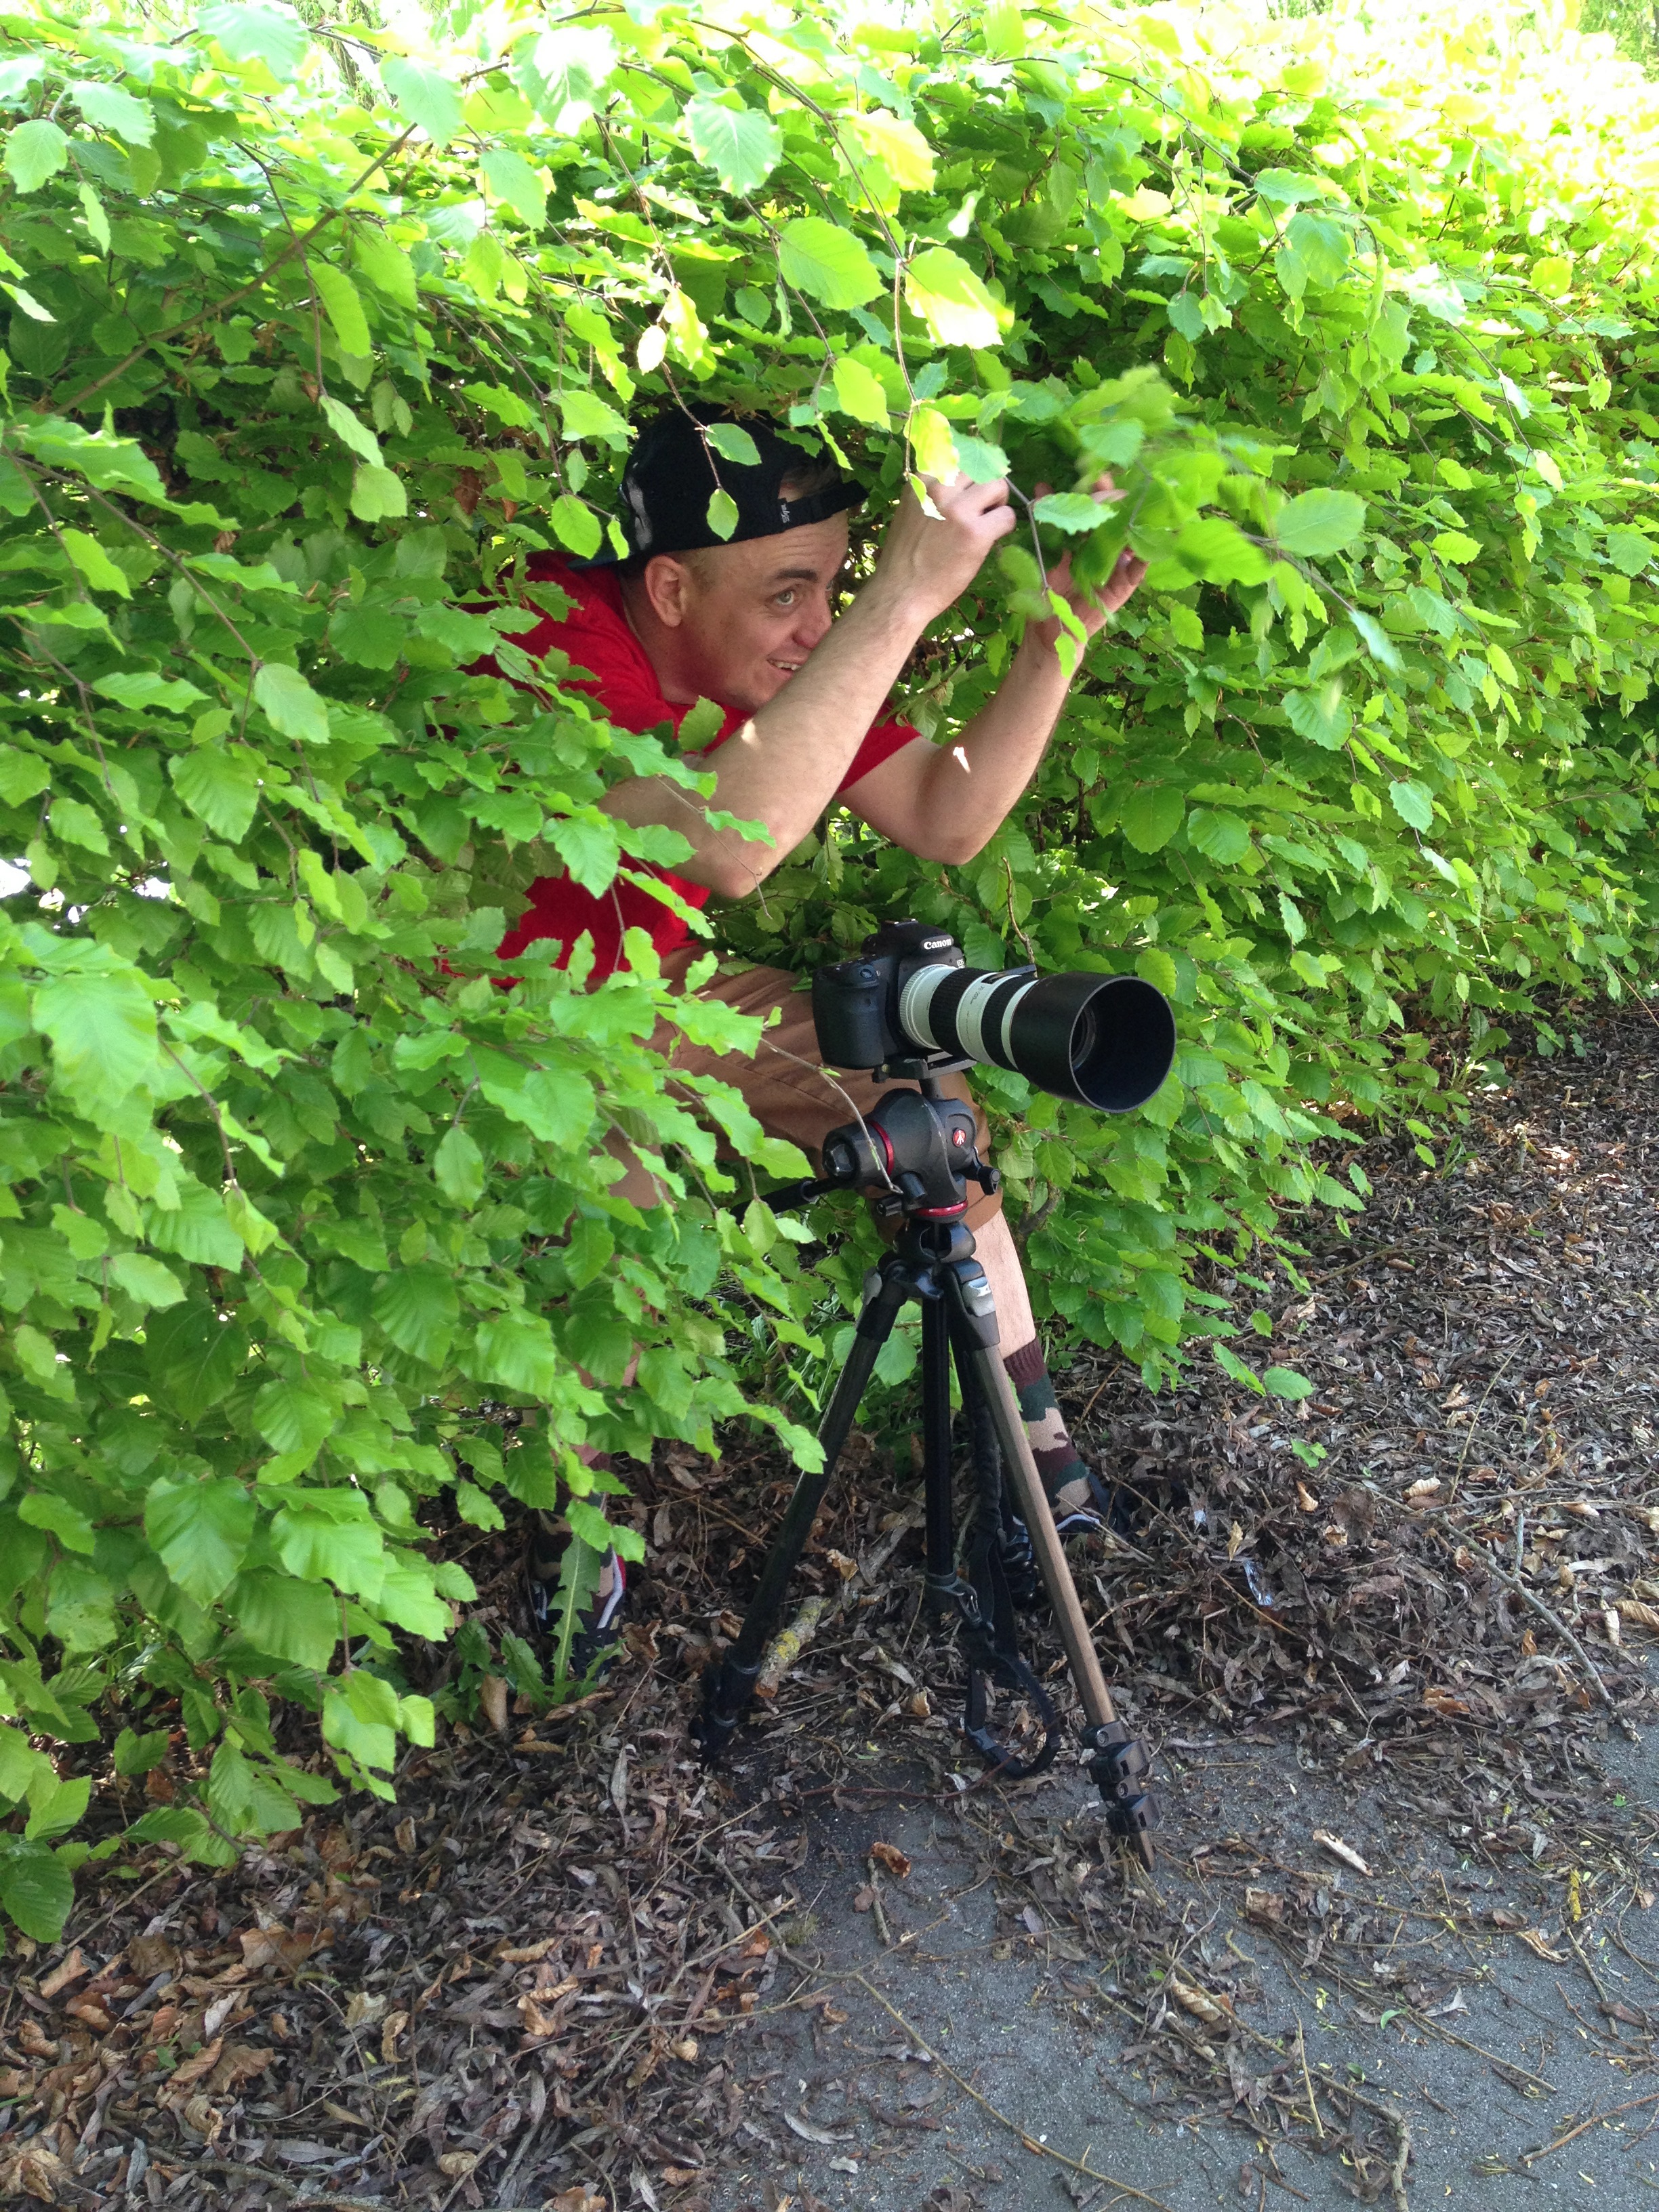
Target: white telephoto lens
(915, 1002)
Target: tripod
(915, 1154)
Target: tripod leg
(936, 1443)
(729, 1683)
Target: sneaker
(558, 1562)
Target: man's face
(743, 618)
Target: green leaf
(108, 107)
(43, 1508)
(576, 525)
(1231, 1364)
(828, 264)
(316, 1543)
(351, 430)
(136, 1754)
(510, 177)
(1285, 1383)
(1320, 522)
(1413, 803)
(360, 1715)
(145, 1280)
(102, 1029)
(740, 145)
(861, 392)
(56, 1808)
(425, 97)
(378, 495)
(1071, 511)
(458, 1166)
(93, 563)
(144, 687)
(563, 72)
(1629, 550)
(1222, 837)
(297, 1622)
(34, 152)
(200, 1530)
(258, 30)
(418, 1310)
(290, 704)
(1151, 814)
(942, 291)
(194, 1358)
(342, 306)
(220, 784)
(1457, 546)
(722, 513)
(36, 1889)
(734, 442)
(294, 1419)
(585, 415)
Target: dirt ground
(1401, 1943)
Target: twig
(1313, 2102)
(1547, 1613)
(1531, 2157)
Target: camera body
(855, 1004)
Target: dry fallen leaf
(404, 1835)
(1632, 1610)
(390, 2034)
(1446, 1703)
(457, 2163)
(1265, 1905)
(1428, 1486)
(241, 2063)
(1197, 2001)
(1339, 1850)
(529, 1955)
(32, 2170)
(809, 2132)
(890, 1856)
(1582, 1508)
(1536, 1941)
(492, 1701)
(282, 1947)
(1305, 1499)
(363, 2010)
(864, 1899)
(72, 1969)
(676, 2177)
(149, 1955)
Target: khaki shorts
(782, 1084)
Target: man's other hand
(1091, 607)
(928, 561)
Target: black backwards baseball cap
(675, 470)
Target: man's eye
(785, 599)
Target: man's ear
(668, 581)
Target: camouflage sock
(1065, 1477)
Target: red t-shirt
(621, 680)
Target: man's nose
(813, 623)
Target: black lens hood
(1105, 1041)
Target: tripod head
(914, 1155)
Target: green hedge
(313, 340)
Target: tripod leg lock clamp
(1118, 1765)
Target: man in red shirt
(749, 621)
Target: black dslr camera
(909, 1004)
